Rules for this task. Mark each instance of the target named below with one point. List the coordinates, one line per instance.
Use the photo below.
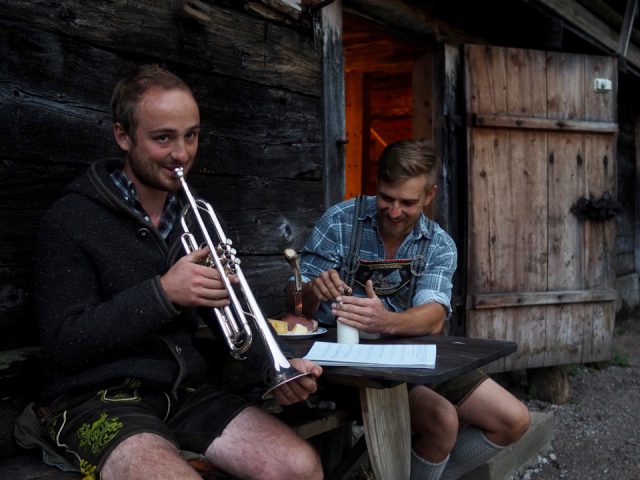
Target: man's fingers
(197, 256)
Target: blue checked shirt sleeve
(435, 285)
(326, 247)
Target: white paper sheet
(340, 354)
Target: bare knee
(434, 421)
(306, 466)
(143, 456)
(513, 424)
(518, 423)
(272, 452)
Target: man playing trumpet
(117, 307)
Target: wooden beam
(581, 19)
(525, 299)
(627, 27)
(335, 132)
(533, 123)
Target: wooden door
(540, 137)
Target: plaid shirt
(328, 246)
(128, 189)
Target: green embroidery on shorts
(53, 428)
(96, 435)
(88, 470)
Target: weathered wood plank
(264, 130)
(334, 128)
(565, 82)
(522, 299)
(522, 122)
(234, 44)
(525, 260)
(566, 327)
(486, 89)
(258, 87)
(423, 93)
(263, 215)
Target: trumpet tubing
(235, 319)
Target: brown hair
(129, 90)
(407, 159)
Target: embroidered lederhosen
(388, 276)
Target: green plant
(620, 359)
(573, 370)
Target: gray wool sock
(472, 449)
(422, 469)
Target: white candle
(347, 334)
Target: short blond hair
(407, 159)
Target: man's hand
(367, 314)
(299, 389)
(328, 286)
(191, 284)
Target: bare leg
(495, 419)
(146, 456)
(255, 445)
(434, 423)
(500, 415)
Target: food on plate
(279, 326)
(294, 320)
(291, 324)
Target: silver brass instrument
(234, 319)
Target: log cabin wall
(257, 79)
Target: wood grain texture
(257, 83)
(385, 416)
(525, 245)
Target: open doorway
(388, 92)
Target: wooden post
(385, 415)
(334, 106)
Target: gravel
(597, 432)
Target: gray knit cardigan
(102, 314)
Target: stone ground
(597, 432)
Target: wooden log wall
(258, 82)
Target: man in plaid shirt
(380, 265)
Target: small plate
(318, 331)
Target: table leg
(387, 429)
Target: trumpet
(234, 320)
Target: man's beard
(145, 176)
(394, 230)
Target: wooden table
(384, 396)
